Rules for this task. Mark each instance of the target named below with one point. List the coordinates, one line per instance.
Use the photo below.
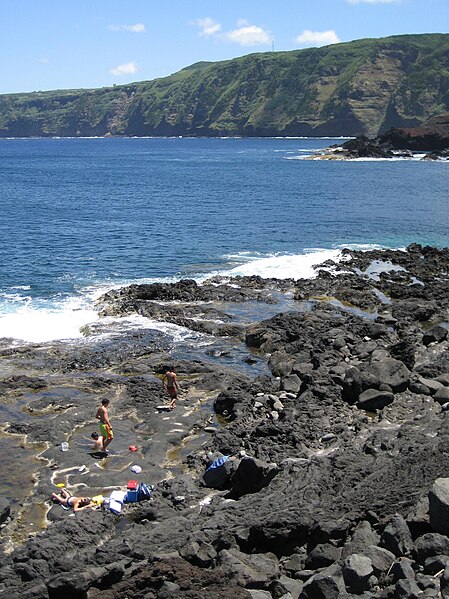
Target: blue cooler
(131, 496)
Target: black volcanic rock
(327, 496)
(432, 136)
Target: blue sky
(62, 44)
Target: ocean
(81, 216)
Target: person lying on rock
(67, 500)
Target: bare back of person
(170, 383)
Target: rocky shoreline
(430, 141)
(336, 482)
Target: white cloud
(317, 38)
(43, 60)
(248, 35)
(129, 68)
(373, 1)
(137, 28)
(207, 26)
(245, 34)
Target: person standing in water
(105, 425)
(170, 383)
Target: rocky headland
(337, 480)
(431, 138)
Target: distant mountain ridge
(360, 87)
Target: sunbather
(70, 501)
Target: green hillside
(365, 86)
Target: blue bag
(144, 491)
(218, 462)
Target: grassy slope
(362, 86)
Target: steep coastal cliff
(360, 87)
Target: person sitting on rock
(70, 501)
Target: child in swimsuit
(98, 442)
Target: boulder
(257, 594)
(357, 573)
(352, 384)
(326, 530)
(439, 506)
(391, 372)
(373, 399)
(322, 556)
(402, 569)
(327, 584)
(292, 586)
(436, 334)
(73, 585)
(381, 559)
(219, 472)
(433, 565)
(396, 536)
(291, 383)
(443, 379)
(407, 589)
(294, 563)
(251, 476)
(444, 583)
(429, 584)
(432, 384)
(442, 395)
(198, 554)
(363, 537)
(430, 545)
(5, 510)
(257, 569)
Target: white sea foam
(295, 266)
(41, 325)
(37, 320)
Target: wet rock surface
(337, 477)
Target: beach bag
(144, 491)
(115, 506)
(218, 462)
(115, 501)
(118, 496)
(218, 473)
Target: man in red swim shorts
(170, 383)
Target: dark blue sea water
(79, 215)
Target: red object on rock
(132, 448)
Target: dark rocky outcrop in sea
(432, 137)
(337, 480)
